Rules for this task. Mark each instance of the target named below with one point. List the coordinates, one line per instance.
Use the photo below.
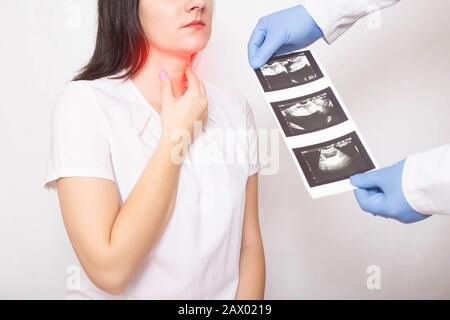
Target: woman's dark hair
(121, 42)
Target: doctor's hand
(281, 32)
(380, 192)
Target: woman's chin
(189, 52)
(186, 48)
(194, 44)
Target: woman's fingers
(193, 82)
(202, 89)
(166, 88)
(185, 111)
(196, 87)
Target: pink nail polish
(162, 76)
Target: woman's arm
(252, 270)
(111, 242)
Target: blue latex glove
(380, 193)
(281, 32)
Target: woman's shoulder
(222, 91)
(105, 86)
(85, 95)
(224, 95)
(81, 99)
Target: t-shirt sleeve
(79, 137)
(254, 164)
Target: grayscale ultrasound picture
(310, 113)
(334, 160)
(287, 71)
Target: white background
(395, 81)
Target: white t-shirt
(105, 128)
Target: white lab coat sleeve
(426, 181)
(334, 17)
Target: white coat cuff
(414, 194)
(326, 19)
(426, 181)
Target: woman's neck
(147, 79)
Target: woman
(146, 218)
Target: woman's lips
(195, 24)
